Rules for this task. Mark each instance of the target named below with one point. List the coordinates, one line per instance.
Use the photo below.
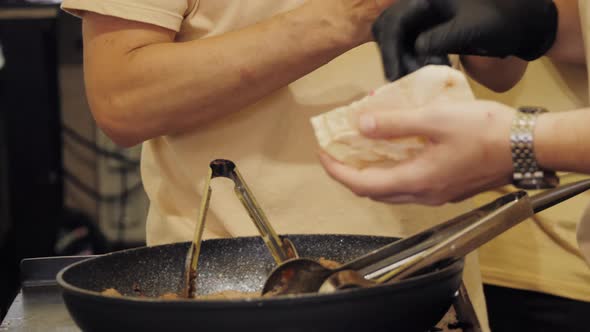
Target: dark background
(34, 219)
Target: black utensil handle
(557, 195)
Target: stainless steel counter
(39, 305)
(38, 309)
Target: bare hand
(469, 153)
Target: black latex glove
(413, 33)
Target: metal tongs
(280, 249)
(445, 242)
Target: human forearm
(166, 87)
(501, 74)
(569, 41)
(568, 46)
(498, 74)
(562, 141)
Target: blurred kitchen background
(65, 188)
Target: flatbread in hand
(337, 131)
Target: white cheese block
(337, 131)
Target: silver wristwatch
(527, 173)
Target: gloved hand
(412, 33)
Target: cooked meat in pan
(224, 295)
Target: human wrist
(569, 42)
(319, 34)
(328, 31)
(347, 24)
(544, 140)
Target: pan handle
(459, 243)
(465, 240)
(454, 239)
(371, 263)
(450, 240)
(549, 198)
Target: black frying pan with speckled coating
(242, 264)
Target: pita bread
(338, 134)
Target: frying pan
(242, 264)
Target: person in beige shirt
(200, 80)
(544, 283)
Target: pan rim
(445, 272)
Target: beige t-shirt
(542, 254)
(271, 142)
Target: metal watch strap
(527, 173)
